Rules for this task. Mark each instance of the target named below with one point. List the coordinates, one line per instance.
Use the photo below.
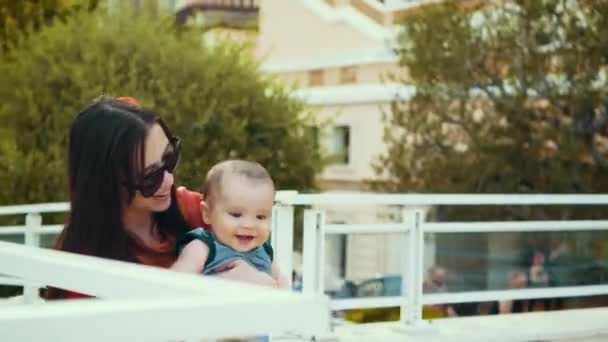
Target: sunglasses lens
(152, 182)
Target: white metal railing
(413, 226)
(32, 230)
(141, 303)
(412, 230)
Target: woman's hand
(240, 270)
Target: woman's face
(156, 144)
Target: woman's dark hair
(106, 152)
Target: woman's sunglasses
(152, 181)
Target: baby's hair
(250, 170)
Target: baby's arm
(192, 258)
(278, 276)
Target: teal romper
(221, 255)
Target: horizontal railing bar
(368, 303)
(472, 296)
(108, 278)
(47, 229)
(377, 199)
(471, 227)
(12, 281)
(12, 230)
(365, 228)
(501, 295)
(335, 199)
(53, 207)
(166, 319)
(514, 226)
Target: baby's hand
(240, 270)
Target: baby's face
(241, 211)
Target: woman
(122, 160)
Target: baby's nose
(248, 223)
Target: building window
(348, 75)
(340, 144)
(315, 78)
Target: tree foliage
(19, 16)
(214, 98)
(510, 97)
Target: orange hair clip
(129, 100)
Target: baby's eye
(235, 214)
(261, 217)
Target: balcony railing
(241, 8)
(134, 291)
(413, 228)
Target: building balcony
(231, 13)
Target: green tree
(21, 16)
(510, 97)
(214, 98)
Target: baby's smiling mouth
(244, 238)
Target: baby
(237, 203)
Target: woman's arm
(192, 258)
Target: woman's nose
(168, 178)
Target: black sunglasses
(151, 181)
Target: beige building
(338, 53)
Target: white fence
(32, 230)
(413, 227)
(140, 303)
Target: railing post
(313, 254)
(413, 269)
(33, 222)
(282, 238)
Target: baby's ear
(205, 212)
